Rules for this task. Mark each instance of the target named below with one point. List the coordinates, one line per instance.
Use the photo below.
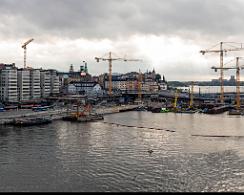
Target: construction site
(131, 92)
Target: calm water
(98, 156)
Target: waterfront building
(24, 84)
(117, 83)
(35, 84)
(84, 87)
(8, 83)
(129, 82)
(54, 83)
(50, 83)
(45, 83)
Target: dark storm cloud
(113, 18)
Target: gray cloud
(114, 18)
(61, 26)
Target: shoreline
(8, 116)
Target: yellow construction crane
(191, 96)
(237, 68)
(110, 59)
(25, 48)
(222, 51)
(176, 98)
(140, 86)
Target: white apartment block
(27, 84)
(45, 83)
(35, 84)
(24, 88)
(8, 83)
(55, 84)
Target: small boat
(70, 118)
(235, 112)
(31, 122)
(140, 108)
(156, 110)
(164, 110)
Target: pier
(8, 116)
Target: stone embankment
(115, 109)
(8, 116)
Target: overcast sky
(166, 34)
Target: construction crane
(140, 86)
(25, 48)
(222, 51)
(237, 68)
(110, 59)
(191, 96)
(176, 98)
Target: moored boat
(235, 112)
(164, 110)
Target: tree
(158, 77)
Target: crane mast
(140, 86)
(191, 95)
(176, 98)
(222, 51)
(110, 74)
(25, 48)
(221, 73)
(238, 91)
(110, 59)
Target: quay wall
(8, 116)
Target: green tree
(158, 77)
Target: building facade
(54, 83)
(45, 83)
(8, 83)
(24, 85)
(35, 84)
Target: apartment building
(35, 84)
(23, 84)
(55, 82)
(8, 83)
(45, 76)
(50, 83)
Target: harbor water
(188, 152)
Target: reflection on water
(99, 156)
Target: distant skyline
(166, 34)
